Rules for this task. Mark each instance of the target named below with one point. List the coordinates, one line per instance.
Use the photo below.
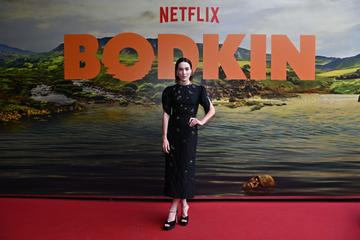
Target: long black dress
(181, 102)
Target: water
(310, 146)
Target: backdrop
(102, 135)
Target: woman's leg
(185, 207)
(173, 208)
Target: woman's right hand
(166, 146)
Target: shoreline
(255, 102)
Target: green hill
(340, 63)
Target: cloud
(343, 44)
(47, 21)
(149, 15)
(327, 20)
(43, 25)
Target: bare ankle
(185, 209)
(172, 215)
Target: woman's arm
(209, 115)
(206, 118)
(165, 123)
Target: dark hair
(180, 60)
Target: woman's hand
(195, 121)
(166, 146)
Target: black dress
(181, 102)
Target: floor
(67, 219)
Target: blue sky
(40, 25)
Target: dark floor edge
(195, 199)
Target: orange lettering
(128, 40)
(73, 56)
(258, 57)
(166, 45)
(283, 52)
(225, 57)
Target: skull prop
(261, 183)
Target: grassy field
(336, 73)
(297, 86)
(346, 86)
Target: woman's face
(184, 71)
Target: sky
(40, 25)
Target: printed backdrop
(102, 136)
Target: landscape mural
(102, 136)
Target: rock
(43, 93)
(41, 90)
(260, 183)
(80, 82)
(57, 99)
(232, 99)
(123, 103)
(257, 107)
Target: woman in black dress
(180, 104)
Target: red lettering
(199, 19)
(207, 14)
(164, 16)
(215, 11)
(191, 13)
(182, 9)
(173, 12)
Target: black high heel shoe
(184, 220)
(170, 225)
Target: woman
(179, 134)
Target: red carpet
(55, 219)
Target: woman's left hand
(195, 121)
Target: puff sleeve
(166, 101)
(204, 99)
